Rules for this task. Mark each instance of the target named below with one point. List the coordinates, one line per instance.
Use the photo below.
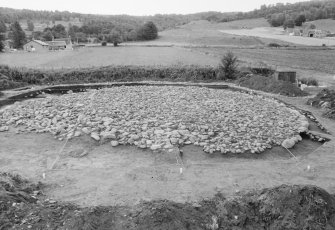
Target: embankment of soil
(23, 206)
(270, 85)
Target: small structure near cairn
(288, 76)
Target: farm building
(36, 45)
(310, 30)
(8, 45)
(61, 44)
(288, 76)
(294, 31)
(315, 33)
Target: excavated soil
(284, 207)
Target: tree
(277, 19)
(114, 37)
(59, 31)
(300, 19)
(3, 27)
(228, 66)
(47, 35)
(17, 35)
(132, 35)
(2, 45)
(312, 26)
(30, 25)
(148, 31)
(289, 23)
(72, 31)
(81, 37)
(38, 35)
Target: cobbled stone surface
(162, 117)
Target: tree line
(102, 33)
(118, 28)
(312, 10)
(294, 14)
(162, 21)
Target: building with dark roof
(61, 44)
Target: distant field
(207, 33)
(325, 24)
(103, 56)
(276, 33)
(307, 62)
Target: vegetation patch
(326, 100)
(17, 77)
(309, 81)
(270, 85)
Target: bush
(261, 68)
(228, 67)
(148, 31)
(276, 45)
(309, 81)
(104, 43)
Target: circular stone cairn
(162, 117)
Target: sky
(140, 7)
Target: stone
(288, 143)
(86, 130)
(305, 123)
(159, 132)
(77, 133)
(114, 143)
(95, 136)
(4, 128)
(302, 129)
(149, 142)
(155, 147)
(107, 135)
(174, 140)
(135, 137)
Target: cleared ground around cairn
(126, 175)
(90, 174)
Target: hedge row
(24, 76)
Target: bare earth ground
(126, 175)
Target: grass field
(316, 63)
(277, 33)
(103, 56)
(251, 50)
(325, 24)
(207, 33)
